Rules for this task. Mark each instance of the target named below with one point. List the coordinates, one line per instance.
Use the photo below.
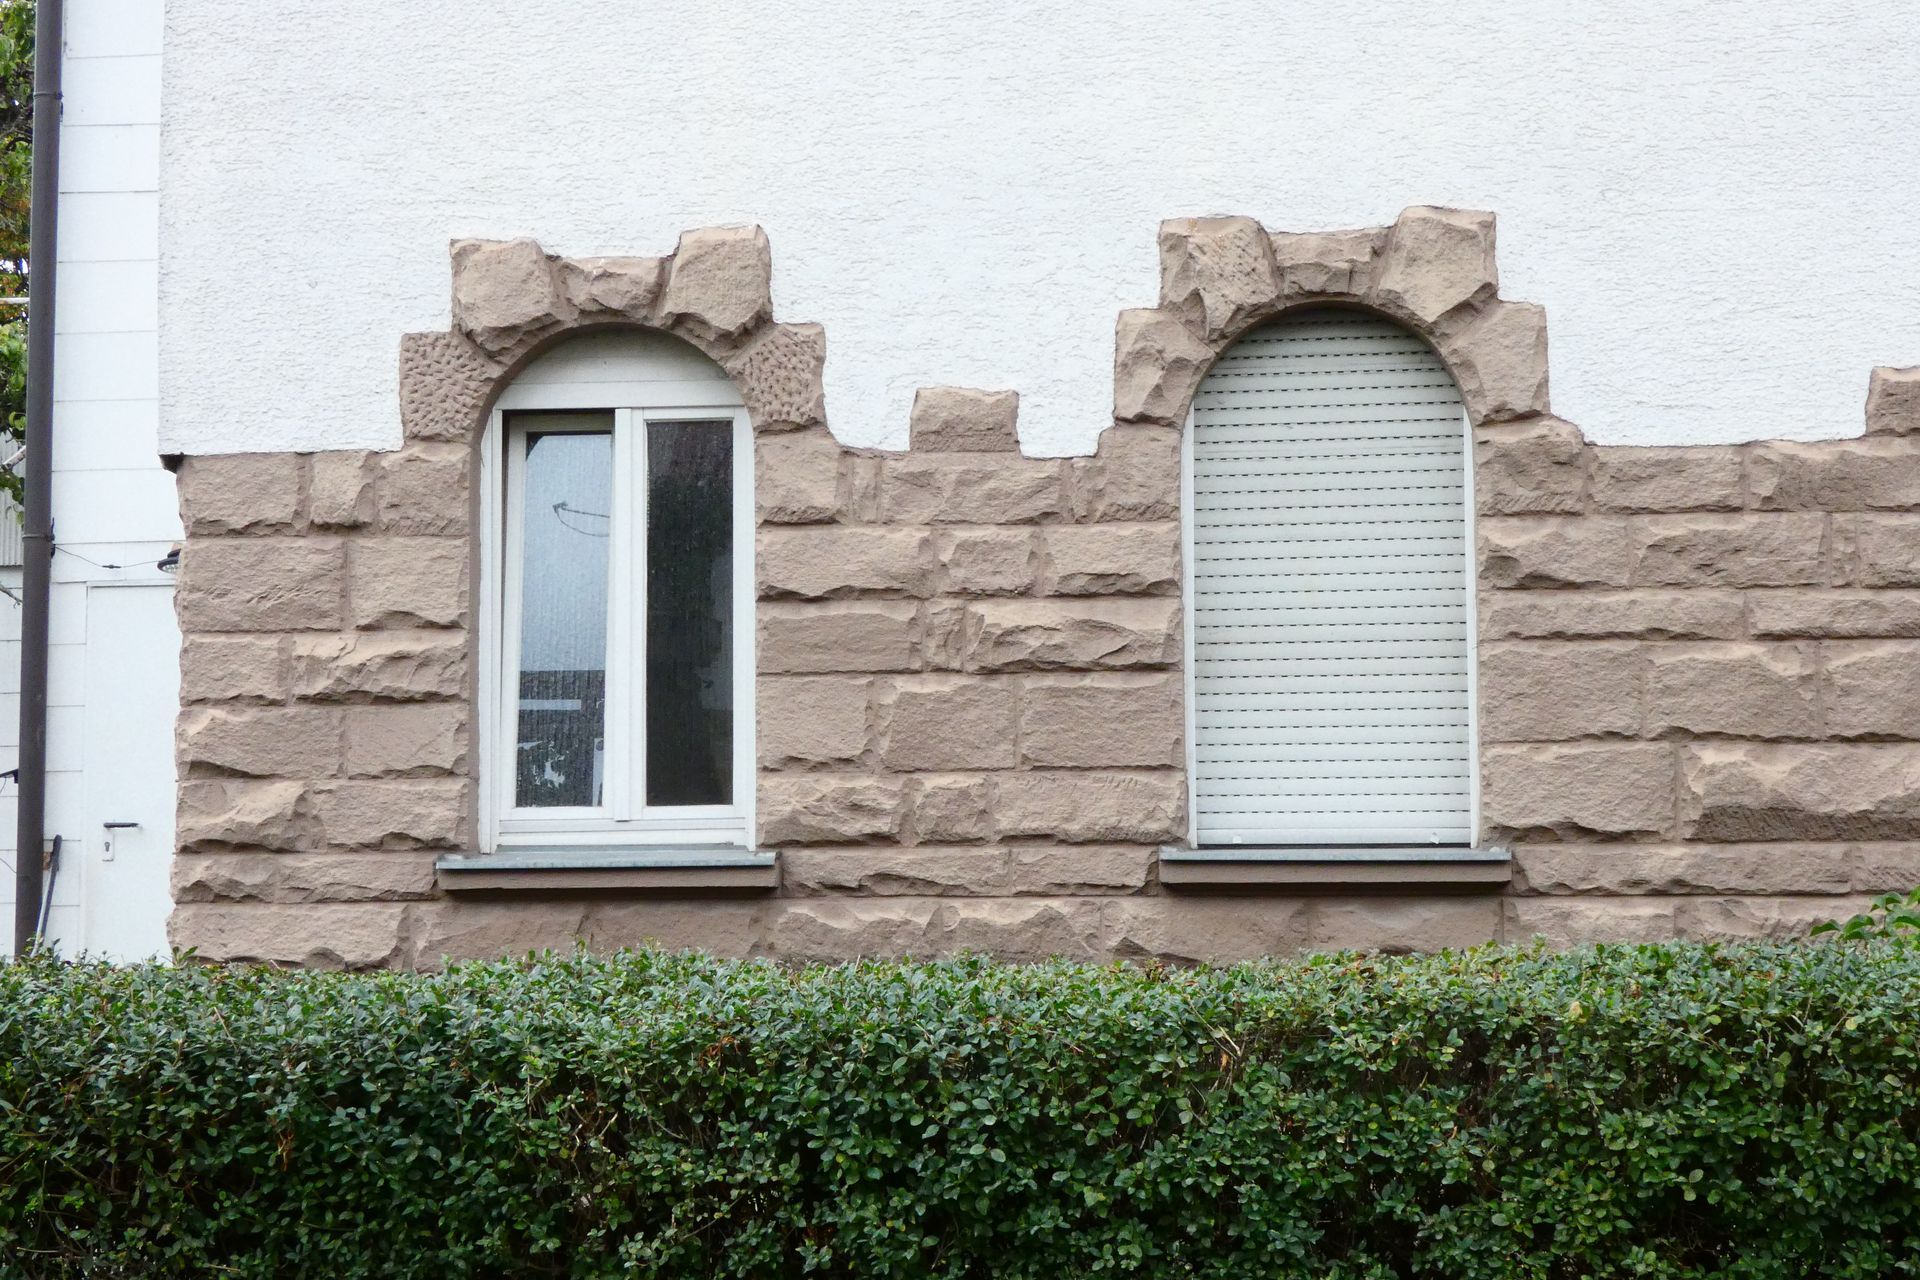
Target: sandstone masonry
(1698, 700)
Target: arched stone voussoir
(511, 300)
(1433, 271)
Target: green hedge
(1645, 1111)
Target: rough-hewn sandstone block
(1573, 922)
(1316, 263)
(958, 420)
(506, 294)
(1729, 551)
(1558, 691)
(1400, 924)
(240, 492)
(720, 284)
(953, 808)
(363, 935)
(1683, 868)
(1893, 402)
(1533, 552)
(426, 488)
(261, 584)
(1737, 690)
(615, 286)
(779, 376)
(1665, 550)
(863, 472)
(1578, 790)
(941, 722)
(1880, 551)
(408, 582)
(1218, 271)
(1499, 358)
(818, 563)
(340, 489)
(445, 382)
(451, 930)
(1595, 615)
(302, 877)
(1779, 919)
(1112, 559)
(1873, 689)
(387, 666)
(1434, 260)
(1107, 721)
(808, 930)
(1134, 475)
(1093, 808)
(1157, 364)
(1205, 930)
(261, 742)
(851, 635)
(406, 813)
(417, 739)
(233, 668)
(1841, 614)
(819, 809)
(1676, 478)
(797, 477)
(1814, 791)
(230, 813)
(962, 488)
(1535, 466)
(1080, 869)
(987, 561)
(1053, 635)
(1883, 868)
(1873, 473)
(812, 720)
(963, 872)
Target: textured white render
(1714, 201)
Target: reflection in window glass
(567, 485)
(689, 613)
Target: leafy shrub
(1892, 915)
(1660, 1111)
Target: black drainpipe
(37, 536)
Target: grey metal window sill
(1411, 867)
(694, 869)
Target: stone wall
(1695, 663)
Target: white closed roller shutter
(1332, 655)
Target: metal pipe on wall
(37, 534)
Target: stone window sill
(581, 870)
(1416, 867)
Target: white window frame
(1186, 616)
(624, 820)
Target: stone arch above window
(512, 300)
(1432, 271)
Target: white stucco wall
(1713, 200)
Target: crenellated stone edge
(1433, 270)
(512, 300)
(326, 748)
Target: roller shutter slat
(1330, 598)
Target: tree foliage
(16, 188)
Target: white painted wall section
(1711, 201)
(109, 740)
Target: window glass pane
(561, 740)
(689, 613)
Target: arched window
(617, 636)
(1330, 610)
